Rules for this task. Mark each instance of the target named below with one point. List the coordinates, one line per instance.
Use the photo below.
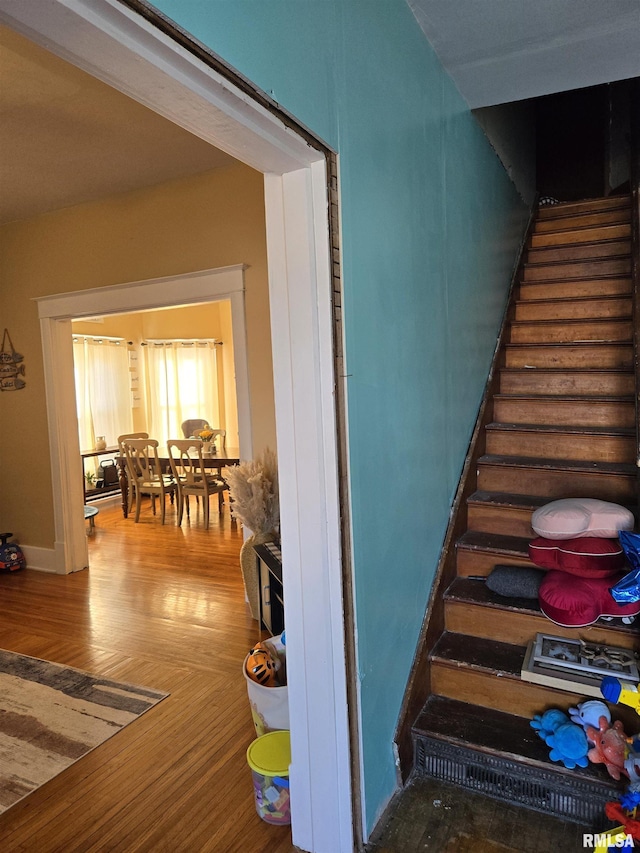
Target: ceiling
(67, 138)
(498, 51)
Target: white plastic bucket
(269, 705)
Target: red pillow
(587, 557)
(574, 602)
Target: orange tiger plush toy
(261, 666)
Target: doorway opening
(120, 47)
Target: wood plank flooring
(162, 607)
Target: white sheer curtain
(103, 395)
(182, 383)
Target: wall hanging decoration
(11, 370)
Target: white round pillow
(571, 518)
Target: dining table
(216, 460)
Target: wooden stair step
(577, 411)
(591, 233)
(583, 220)
(523, 380)
(575, 289)
(487, 672)
(502, 513)
(571, 331)
(558, 478)
(472, 608)
(593, 354)
(477, 553)
(577, 269)
(494, 731)
(562, 208)
(585, 307)
(579, 251)
(490, 751)
(598, 444)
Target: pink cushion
(589, 558)
(575, 602)
(570, 518)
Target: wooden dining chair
(191, 476)
(191, 426)
(121, 440)
(146, 473)
(222, 433)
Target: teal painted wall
(431, 225)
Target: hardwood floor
(161, 607)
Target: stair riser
(564, 412)
(581, 235)
(503, 520)
(548, 382)
(583, 251)
(586, 269)
(614, 357)
(583, 220)
(591, 309)
(562, 446)
(584, 206)
(575, 289)
(519, 628)
(588, 330)
(554, 483)
(470, 562)
(502, 694)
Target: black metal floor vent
(570, 798)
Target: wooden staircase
(562, 423)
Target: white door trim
(55, 313)
(124, 50)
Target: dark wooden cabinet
(269, 569)
(91, 492)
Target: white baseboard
(40, 559)
(46, 559)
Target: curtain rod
(100, 338)
(184, 341)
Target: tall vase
(248, 564)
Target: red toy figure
(610, 746)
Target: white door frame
(55, 313)
(124, 50)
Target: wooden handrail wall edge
(419, 682)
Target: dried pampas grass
(253, 487)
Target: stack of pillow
(578, 544)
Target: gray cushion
(515, 581)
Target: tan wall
(209, 221)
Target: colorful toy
(261, 667)
(569, 745)
(610, 746)
(630, 825)
(588, 713)
(547, 724)
(11, 557)
(617, 691)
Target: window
(103, 398)
(182, 383)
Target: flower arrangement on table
(205, 434)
